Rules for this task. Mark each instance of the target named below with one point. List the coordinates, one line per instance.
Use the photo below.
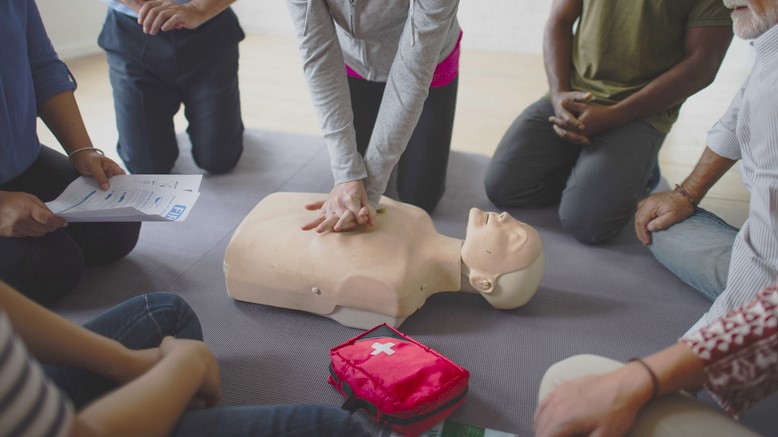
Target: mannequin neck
(443, 253)
(465, 278)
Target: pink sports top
(444, 73)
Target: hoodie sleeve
(425, 32)
(325, 73)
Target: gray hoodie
(399, 42)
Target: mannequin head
(503, 258)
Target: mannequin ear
(481, 282)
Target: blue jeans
(142, 322)
(697, 250)
(138, 323)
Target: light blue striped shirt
(748, 131)
(32, 405)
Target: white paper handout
(131, 198)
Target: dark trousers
(152, 76)
(597, 186)
(421, 171)
(46, 268)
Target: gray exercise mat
(614, 299)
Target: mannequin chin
(379, 274)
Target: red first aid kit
(400, 382)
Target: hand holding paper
(131, 198)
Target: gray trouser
(597, 186)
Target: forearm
(208, 9)
(322, 63)
(54, 340)
(709, 169)
(666, 91)
(63, 118)
(557, 53)
(705, 48)
(676, 368)
(406, 91)
(150, 405)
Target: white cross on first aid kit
(382, 347)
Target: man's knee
(497, 187)
(665, 242)
(218, 165)
(590, 225)
(217, 152)
(698, 253)
(503, 189)
(571, 368)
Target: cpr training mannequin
(378, 274)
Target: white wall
(495, 25)
(504, 25)
(73, 25)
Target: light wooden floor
(493, 89)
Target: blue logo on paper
(175, 212)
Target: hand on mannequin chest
(375, 274)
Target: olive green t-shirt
(622, 45)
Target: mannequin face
(496, 244)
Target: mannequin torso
(361, 278)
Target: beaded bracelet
(682, 191)
(654, 379)
(77, 151)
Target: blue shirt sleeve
(50, 76)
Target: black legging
(421, 171)
(46, 268)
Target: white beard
(749, 25)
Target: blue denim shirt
(30, 74)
